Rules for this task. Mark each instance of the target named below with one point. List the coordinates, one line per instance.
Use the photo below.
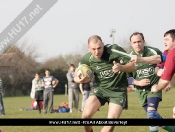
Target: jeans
(85, 97)
(48, 96)
(73, 96)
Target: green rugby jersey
(144, 70)
(102, 68)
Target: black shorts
(39, 95)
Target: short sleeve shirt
(169, 67)
(48, 81)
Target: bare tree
(18, 68)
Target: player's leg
(116, 104)
(91, 106)
(114, 111)
(152, 105)
(174, 112)
(126, 103)
(152, 113)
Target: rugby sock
(168, 128)
(153, 128)
(153, 131)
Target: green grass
(12, 105)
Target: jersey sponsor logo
(147, 72)
(107, 74)
(98, 68)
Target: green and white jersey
(144, 70)
(104, 76)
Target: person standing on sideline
(49, 83)
(144, 78)
(73, 89)
(109, 67)
(85, 89)
(2, 111)
(37, 86)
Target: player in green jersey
(144, 78)
(110, 67)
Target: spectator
(73, 89)
(49, 83)
(2, 112)
(38, 89)
(85, 89)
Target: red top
(169, 67)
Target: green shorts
(143, 94)
(106, 95)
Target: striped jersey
(144, 70)
(102, 68)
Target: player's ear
(144, 42)
(88, 47)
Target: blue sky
(69, 23)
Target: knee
(174, 112)
(108, 129)
(152, 114)
(86, 114)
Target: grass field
(12, 105)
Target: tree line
(18, 66)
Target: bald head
(94, 39)
(96, 46)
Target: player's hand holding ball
(83, 74)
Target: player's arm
(168, 87)
(155, 59)
(167, 75)
(77, 76)
(159, 71)
(143, 82)
(79, 79)
(161, 85)
(129, 67)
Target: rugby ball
(85, 70)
